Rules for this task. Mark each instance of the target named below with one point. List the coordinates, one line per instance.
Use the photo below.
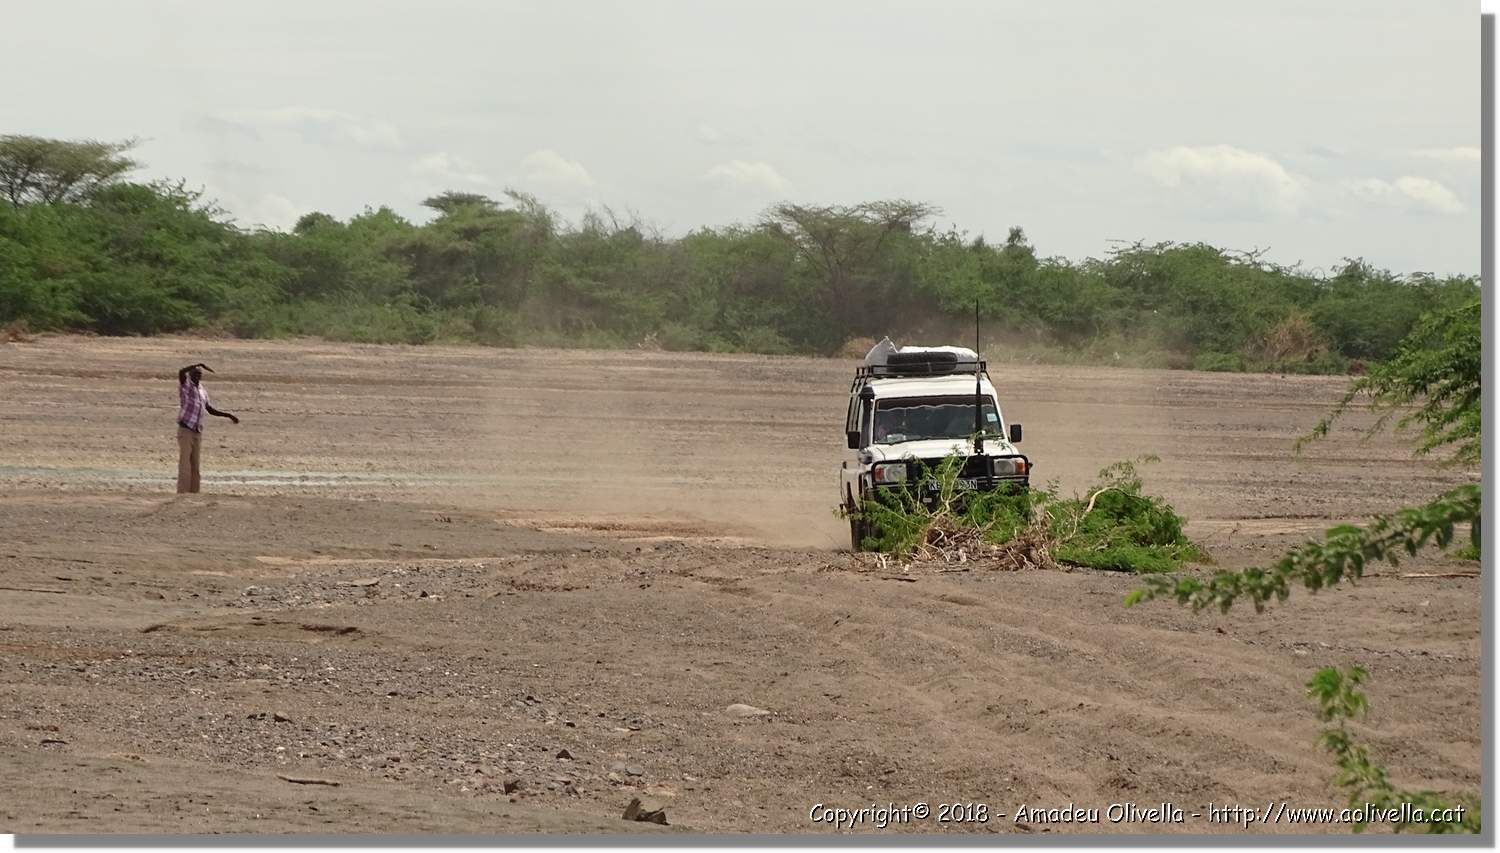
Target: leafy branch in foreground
(1372, 797)
(1439, 363)
(1341, 556)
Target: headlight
(889, 472)
(1013, 466)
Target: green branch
(1370, 789)
(1342, 556)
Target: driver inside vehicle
(889, 422)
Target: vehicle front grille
(973, 466)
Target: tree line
(84, 248)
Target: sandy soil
(426, 573)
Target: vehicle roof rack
(922, 367)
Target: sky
(1316, 131)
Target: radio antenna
(978, 393)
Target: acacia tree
(849, 249)
(476, 252)
(34, 169)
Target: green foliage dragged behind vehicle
(1116, 526)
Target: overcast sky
(1322, 130)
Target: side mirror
(853, 441)
(1015, 433)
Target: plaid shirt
(193, 399)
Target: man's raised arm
(182, 375)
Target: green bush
(764, 340)
(1221, 362)
(494, 327)
(680, 337)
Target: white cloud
(1408, 192)
(754, 175)
(548, 166)
(263, 210)
(1468, 154)
(448, 170)
(709, 135)
(275, 211)
(1227, 178)
(318, 126)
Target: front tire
(858, 530)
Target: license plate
(962, 484)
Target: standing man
(194, 402)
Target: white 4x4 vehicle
(912, 407)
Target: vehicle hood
(937, 448)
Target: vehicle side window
(850, 424)
(866, 422)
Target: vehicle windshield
(899, 419)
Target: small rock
(614, 777)
(280, 718)
(636, 811)
(634, 770)
(510, 786)
(564, 755)
(739, 710)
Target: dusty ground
(423, 573)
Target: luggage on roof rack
(920, 364)
(887, 359)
